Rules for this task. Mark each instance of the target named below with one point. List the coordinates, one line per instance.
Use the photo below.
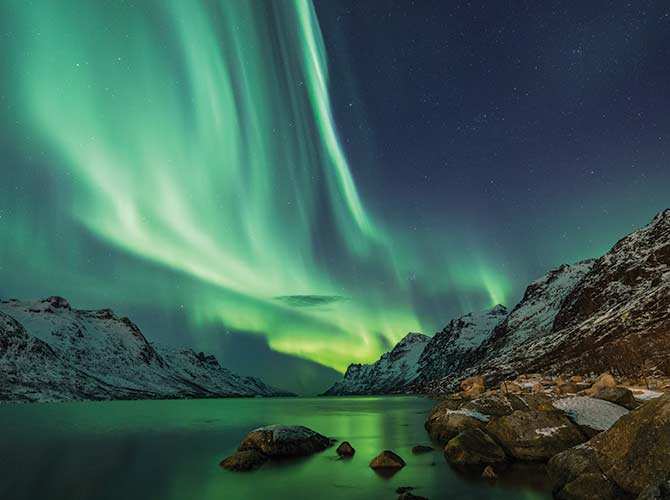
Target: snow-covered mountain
(393, 371)
(446, 351)
(51, 352)
(595, 315)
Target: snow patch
(594, 413)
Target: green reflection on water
(171, 450)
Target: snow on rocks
(593, 413)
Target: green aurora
(185, 155)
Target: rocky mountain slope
(611, 313)
(51, 352)
(395, 369)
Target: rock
(404, 489)
(345, 449)
(576, 379)
(657, 491)
(442, 426)
(511, 387)
(632, 454)
(617, 395)
(489, 473)
(244, 461)
(387, 460)
(467, 384)
(421, 448)
(590, 486)
(537, 388)
(535, 435)
(278, 441)
(472, 447)
(568, 388)
(474, 391)
(604, 380)
(410, 496)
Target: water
(171, 450)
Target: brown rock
(511, 387)
(244, 461)
(537, 388)
(590, 486)
(345, 449)
(568, 388)
(535, 435)
(474, 391)
(444, 425)
(284, 441)
(617, 395)
(469, 382)
(633, 453)
(387, 460)
(576, 379)
(489, 473)
(473, 446)
(604, 380)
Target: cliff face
(51, 352)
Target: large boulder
(445, 425)
(632, 454)
(617, 395)
(499, 404)
(535, 435)
(604, 380)
(472, 447)
(657, 491)
(279, 441)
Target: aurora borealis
(197, 165)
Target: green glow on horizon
(199, 137)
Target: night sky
(295, 186)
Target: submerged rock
(345, 449)
(473, 446)
(410, 496)
(422, 448)
(387, 460)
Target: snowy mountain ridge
(394, 369)
(591, 316)
(51, 352)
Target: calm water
(171, 450)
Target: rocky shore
(602, 437)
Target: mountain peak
(662, 216)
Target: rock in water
(535, 435)
(410, 496)
(387, 460)
(473, 446)
(345, 449)
(422, 448)
(489, 473)
(444, 424)
(632, 454)
(280, 441)
(244, 461)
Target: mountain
(51, 352)
(446, 351)
(611, 313)
(393, 371)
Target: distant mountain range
(611, 313)
(51, 352)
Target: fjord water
(171, 450)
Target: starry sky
(294, 186)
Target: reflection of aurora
(198, 138)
